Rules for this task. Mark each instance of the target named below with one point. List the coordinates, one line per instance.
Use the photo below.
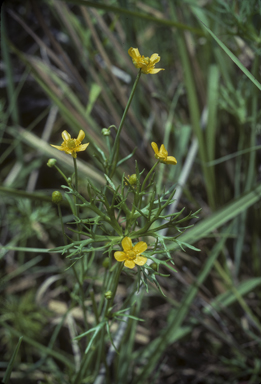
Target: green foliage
(67, 68)
(24, 217)
(27, 318)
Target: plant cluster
(112, 220)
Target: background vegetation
(65, 66)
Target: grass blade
(9, 71)
(235, 59)
(205, 227)
(134, 14)
(11, 362)
(227, 298)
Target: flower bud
(51, 162)
(133, 179)
(106, 132)
(155, 267)
(106, 263)
(108, 295)
(57, 197)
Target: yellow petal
(126, 244)
(140, 247)
(134, 52)
(58, 147)
(156, 70)
(161, 157)
(155, 58)
(81, 135)
(66, 135)
(120, 256)
(155, 147)
(130, 51)
(67, 150)
(140, 260)
(73, 153)
(163, 151)
(82, 147)
(171, 160)
(129, 264)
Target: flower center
(131, 255)
(71, 144)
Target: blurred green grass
(73, 71)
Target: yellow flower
(71, 146)
(162, 154)
(130, 254)
(145, 63)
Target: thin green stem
(94, 306)
(113, 284)
(62, 174)
(108, 143)
(104, 284)
(77, 213)
(148, 175)
(80, 281)
(86, 360)
(76, 188)
(113, 287)
(73, 267)
(75, 174)
(115, 150)
(116, 280)
(101, 357)
(62, 225)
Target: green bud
(51, 162)
(106, 263)
(155, 267)
(133, 179)
(108, 295)
(106, 132)
(57, 197)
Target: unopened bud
(106, 132)
(155, 267)
(133, 179)
(51, 162)
(57, 197)
(108, 295)
(106, 263)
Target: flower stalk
(115, 150)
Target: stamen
(71, 144)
